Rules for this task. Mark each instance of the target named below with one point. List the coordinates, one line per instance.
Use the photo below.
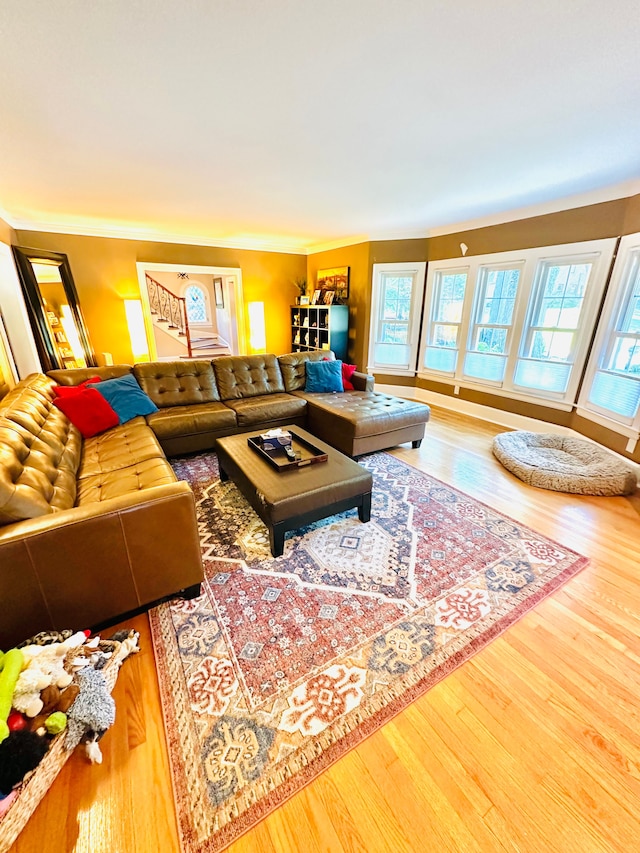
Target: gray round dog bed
(563, 464)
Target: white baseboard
(510, 420)
(474, 410)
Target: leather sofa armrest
(90, 564)
(362, 381)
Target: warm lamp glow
(257, 333)
(73, 339)
(137, 333)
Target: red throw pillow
(347, 372)
(88, 410)
(69, 390)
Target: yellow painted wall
(357, 259)
(104, 271)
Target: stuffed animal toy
(44, 638)
(12, 663)
(91, 714)
(45, 665)
(95, 653)
(54, 701)
(5, 802)
(128, 644)
(20, 753)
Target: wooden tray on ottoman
(277, 458)
(31, 792)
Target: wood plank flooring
(531, 746)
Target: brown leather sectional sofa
(90, 530)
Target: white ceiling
(291, 123)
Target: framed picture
(328, 296)
(316, 297)
(304, 300)
(217, 289)
(336, 279)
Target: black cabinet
(320, 327)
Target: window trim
(207, 302)
(418, 270)
(628, 250)
(529, 261)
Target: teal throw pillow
(126, 397)
(324, 377)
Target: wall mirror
(54, 310)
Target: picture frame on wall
(337, 280)
(219, 293)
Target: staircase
(167, 308)
(169, 313)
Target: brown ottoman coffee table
(286, 500)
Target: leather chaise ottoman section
(362, 421)
(268, 409)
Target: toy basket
(33, 789)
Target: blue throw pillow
(126, 397)
(324, 377)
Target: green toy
(56, 723)
(13, 661)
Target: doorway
(192, 311)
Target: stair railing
(169, 308)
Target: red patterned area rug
(283, 665)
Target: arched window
(196, 304)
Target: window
(196, 304)
(550, 338)
(518, 322)
(490, 335)
(395, 317)
(446, 316)
(612, 381)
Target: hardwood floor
(533, 745)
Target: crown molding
(123, 233)
(617, 191)
(336, 244)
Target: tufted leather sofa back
(293, 368)
(76, 375)
(39, 452)
(239, 377)
(178, 383)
